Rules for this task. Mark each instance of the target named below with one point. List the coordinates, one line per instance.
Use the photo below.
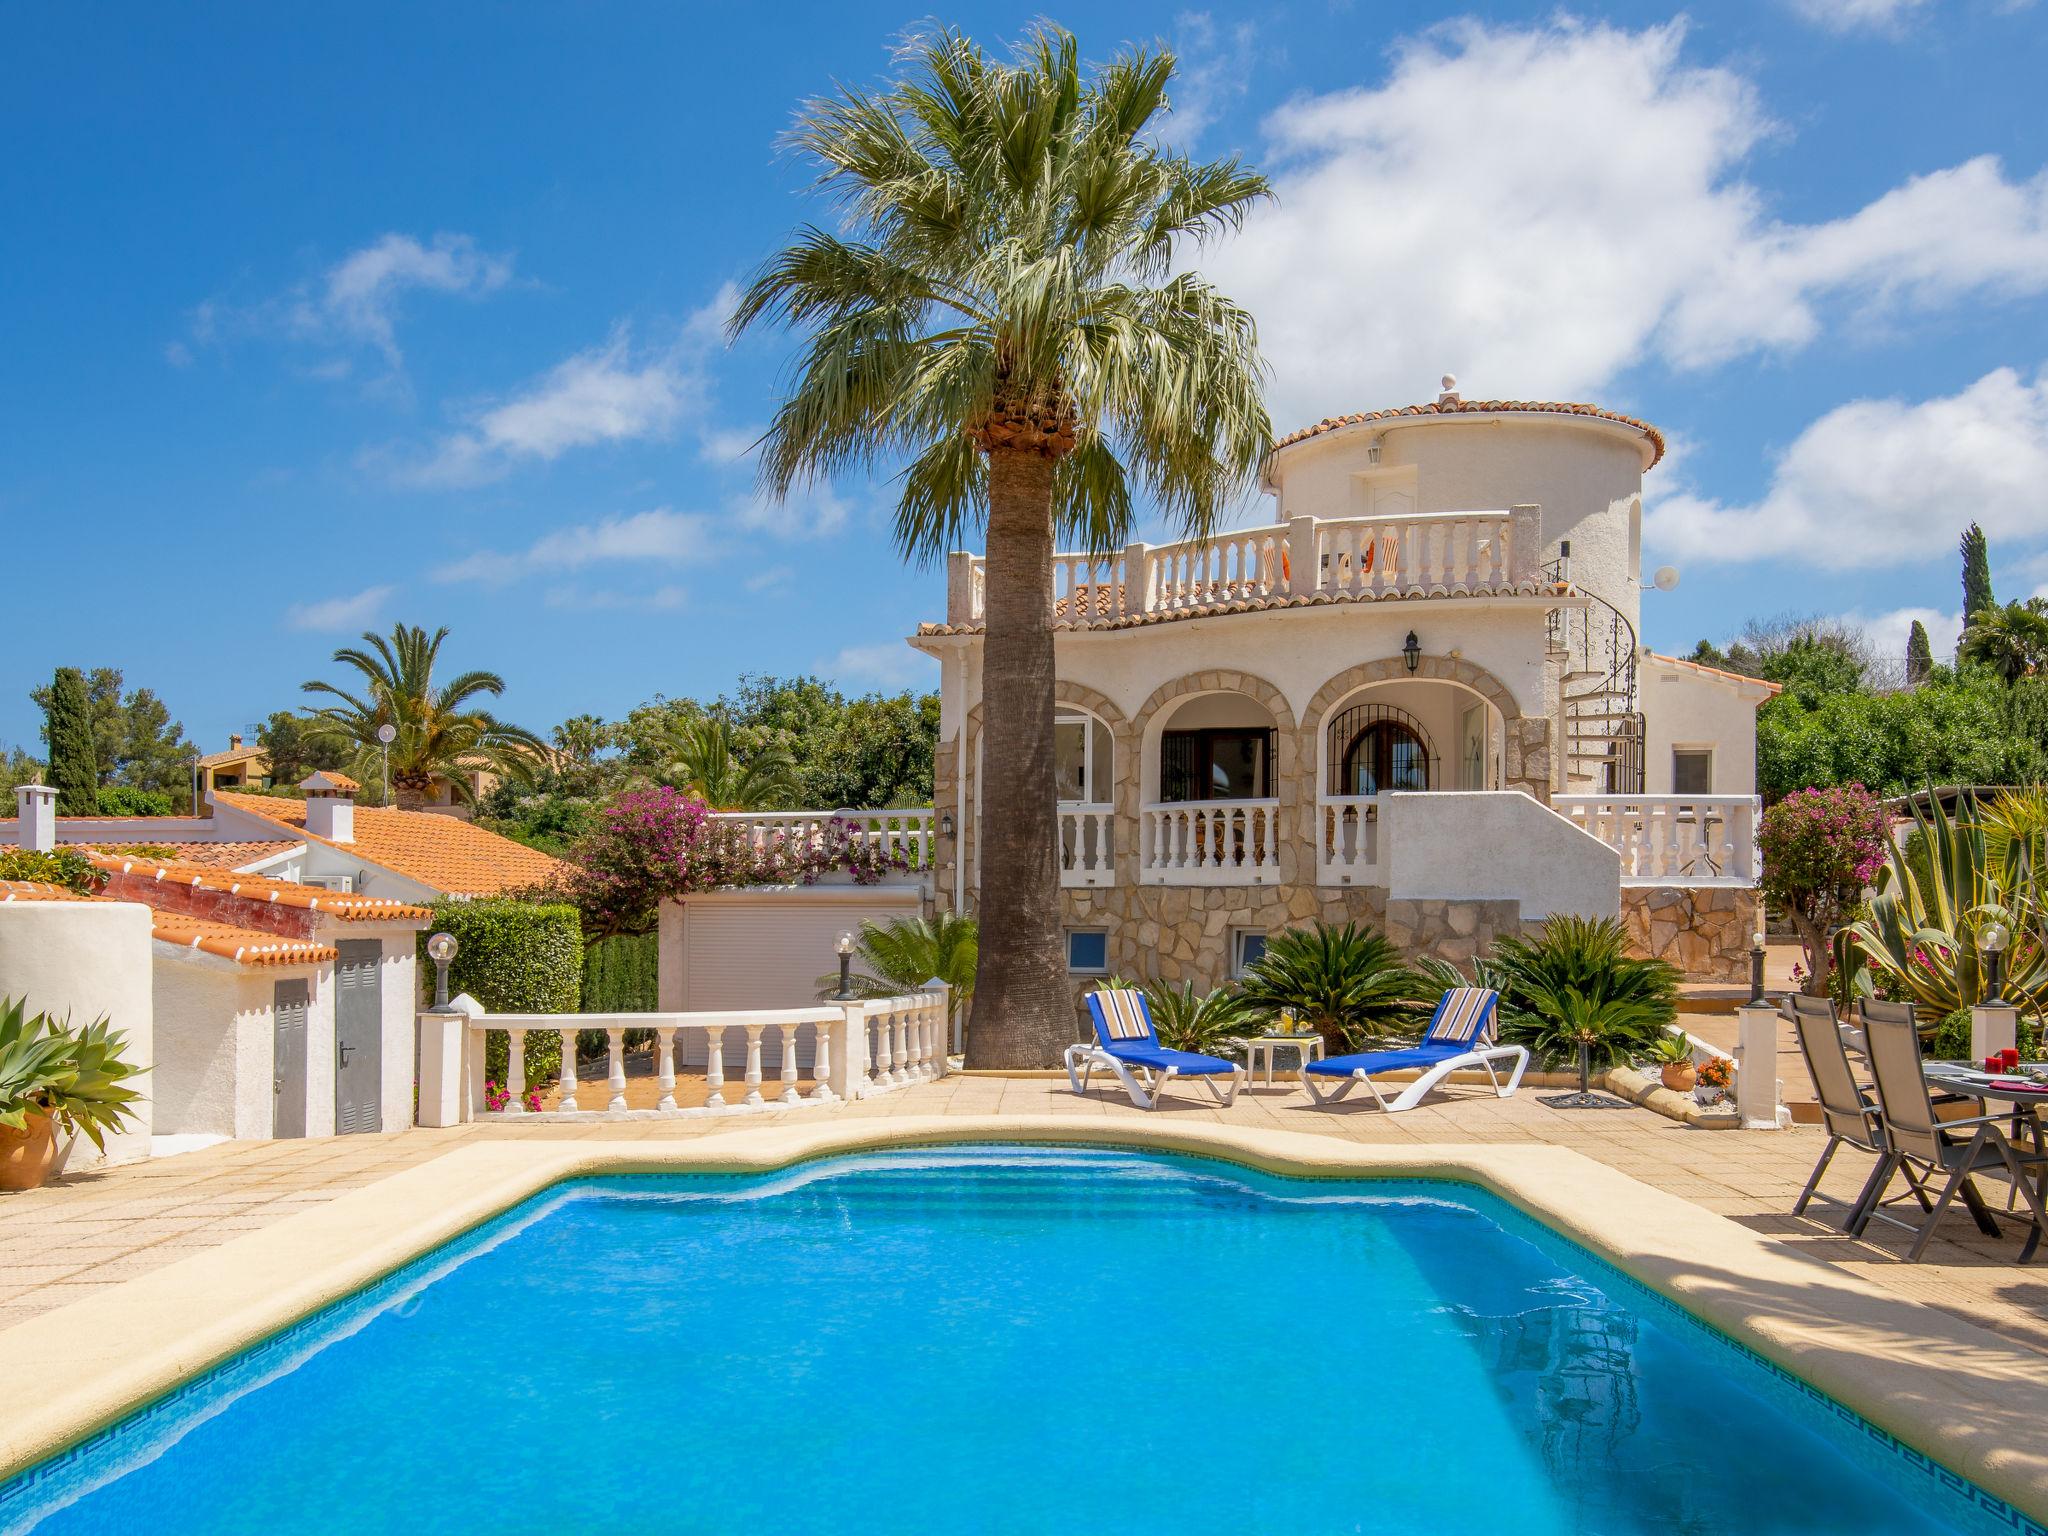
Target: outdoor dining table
(2027, 1097)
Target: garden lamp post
(1993, 941)
(845, 948)
(1756, 966)
(386, 734)
(441, 949)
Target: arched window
(1375, 748)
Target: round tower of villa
(1581, 465)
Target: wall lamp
(1412, 651)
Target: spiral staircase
(1599, 709)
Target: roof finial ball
(1450, 394)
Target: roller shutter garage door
(746, 950)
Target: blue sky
(319, 319)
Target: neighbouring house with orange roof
(245, 766)
(261, 1007)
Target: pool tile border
(1912, 1375)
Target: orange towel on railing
(1286, 570)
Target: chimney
(330, 806)
(234, 742)
(35, 807)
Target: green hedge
(619, 974)
(513, 957)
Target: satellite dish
(1666, 578)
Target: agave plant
(1936, 899)
(75, 1076)
(1348, 984)
(1577, 985)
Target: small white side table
(1309, 1045)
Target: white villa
(1417, 700)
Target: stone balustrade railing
(824, 1053)
(1676, 840)
(1210, 842)
(1424, 555)
(1087, 844)
(904, 834)
(1348, 840)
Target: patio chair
(1923, 1146)
(1126, 1044)
(1457, 1037)
(1846, 1108)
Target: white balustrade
(1673, 839)
(1087, 844)
(1435, 554)
(901, 834)
(1210, 842)
(904, 1038)
(1348, 840)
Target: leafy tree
(1976, 554)
(1919, 656)
(297, 746)
(1820, 848)
(998, 304)
(17, 767)
(125, 800)
(441, 734)
(74, 758)
(2012, 641)
(581, 738)
(1347, 983)
(710, 765)
(134, 739)
(878, 753)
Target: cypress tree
(1976, 574)
(1919, 655)
(74, 763)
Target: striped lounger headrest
(1460, 1014)
(1121, 1013)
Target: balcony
(1303, 560)
(1209, 842)
(1087, 845)
(1682, 840)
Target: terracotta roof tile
(1700, 666)
(232, 755)
(39, 890)
(244, 946)
(1459, 407)
(284, 893)
(451, 855)
(1224, 602)
(213, 855)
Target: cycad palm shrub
(1208, 1022)
(1347, 983)
(900, 954)
(1578, 985)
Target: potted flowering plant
(1716, 1076)
(1673, 1053)
(54, 1077)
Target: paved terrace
(60, 1243)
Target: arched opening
(1377, 747)
(1211, 784)
(1397, 737)
(1084, 765)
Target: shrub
(620, 974)
(65, 866)
(1820, 848)
(1578, 984)
(513, 957)
(1208, 1022)
(127, 800)
(1951, 1038)
(1347, 983)
(76, 1076)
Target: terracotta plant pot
(26, 1156)
(1679, 1076)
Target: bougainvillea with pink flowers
(655, 843)
(1821, 849)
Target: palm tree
(997, 307)
(2012, 641)
(709, 764)
(901, 954)
(438, 735)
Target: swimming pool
(1000, 1339)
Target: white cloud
(773, 579)
(892, 665)
(1536, 210)
(604, 395)
(727, 445)
(1214, 71)
(655, 537)
(1857, 15)
(339, 613)
(358, 296)
(1886, 633)
(806, 512)
(1877, 483)
(661, 600)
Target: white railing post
(821, 1058)
(1525, 543)
(850, 1057)
(515, 1072)
(665, 1065)
(960, 604)
(447, 1096)
(714, 1065)
(1302, 566)
(615, 1043)
(942, 1010)
(753, 1065)
(787, 1039)
(568, 1103)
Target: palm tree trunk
(1023, 1007)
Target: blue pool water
(1000, 1340)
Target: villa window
(1229, 763)
(1247, 949)
(1385, 755)
(1088, 951)
(1083, 759)
(1692, 770)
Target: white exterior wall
(216, 1040)
(1479, 847)
(1685, 708)
(401, 1005)
(1585, 474)
(86, 959)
